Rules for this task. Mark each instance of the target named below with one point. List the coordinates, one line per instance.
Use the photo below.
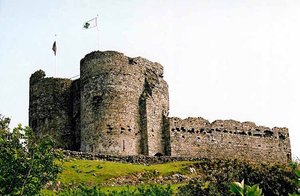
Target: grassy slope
(105, 174)
(93, 172)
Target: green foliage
(240, 189)
(81, 190)
(27, 163)
(151, 190)
(272, 179)
(198, 187)
(296, 168)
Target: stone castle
(119, 106)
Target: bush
(81, 190)
(27, 163)
(151, 190)
(218, 174)
(198, 187)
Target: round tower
(111, 86)
(50, 109)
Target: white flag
(90, 24)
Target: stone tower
(118, 106)
(120, 98)
(50, 108)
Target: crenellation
(120, 106)
(202, 126)
(222, 138)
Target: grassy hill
(115, 176)
(94, 172)
(119, 176)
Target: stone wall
(136, 159)
(50, 109)
(154, 107)
(118, 97)
(197, 137)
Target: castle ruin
(120, 105)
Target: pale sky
(222, 59)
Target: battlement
(202, 126)
(112, 61)
(120, 106)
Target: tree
(296, 169)
(27, 163)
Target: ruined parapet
(115, 114)
(229, 139)
(50, 108)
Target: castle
(119, 106)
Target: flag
(90, 24)
(54, 48)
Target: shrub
(151, 190)
(27, 163)
(198, 187)
(273, 179)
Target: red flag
(54, 48)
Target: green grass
(94, 172)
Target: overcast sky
(222, 59)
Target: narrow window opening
(123, 145)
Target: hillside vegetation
(94, 172)
(204, 177)
(28, 164)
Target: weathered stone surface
(196, 137)
(123, 102)
(119, 106)
(50, 108)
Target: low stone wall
(136, 159)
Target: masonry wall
(50, 109)
(117, 105)
(110, 89)
(154, 102)
(197, 137)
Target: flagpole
(98, 33)
(55, 60)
